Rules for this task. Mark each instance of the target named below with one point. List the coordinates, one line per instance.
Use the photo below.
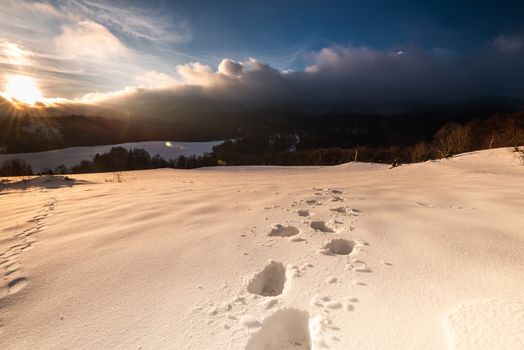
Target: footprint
(313, 202)
(425, 205)
(334, 305)
(284, 231)
(16, 285)
(250, 321)
(270, 281)
(321, 226)
(320, 299)
(284, 329)
(11, 271)
(28, 232)
(271, 303)
(10, 261)
(339, 246)
(27, 246)
(303, 213)
(359, 266)
(11, 253)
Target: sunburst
(22, 89)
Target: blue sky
(276, 25)
(256, 52)
(271, 26)
(281, 32)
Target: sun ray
(22, 89)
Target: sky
(142, 57)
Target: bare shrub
(117, 176)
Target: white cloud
(229, 67)
(142, 23)
(135, 22)
(89, 39)
(155, 80)
(89, 45)
(196, 73)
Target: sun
(22, 89)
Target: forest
(259, 148)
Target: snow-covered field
(357, 256)
(74, 155)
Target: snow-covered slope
(74, 155)
(357, 256)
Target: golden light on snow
(22, 89)
(169, 144)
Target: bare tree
(452, 138)
(513, 133)
(420, 152)
(15, 167)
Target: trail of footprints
(291, 328)
(14, 279)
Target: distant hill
(29, 132)
(68, 157)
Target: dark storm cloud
(336, 77)
(340, 76)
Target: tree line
(289, 149)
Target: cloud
(155, 80)
(337, 77)
(89, 39)
(508, 44)
(13, 53)
(196, 73)
(229, 67)
(127, 83)
(44, 8)
(136, 22)
(76, 47)
(153, 25)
